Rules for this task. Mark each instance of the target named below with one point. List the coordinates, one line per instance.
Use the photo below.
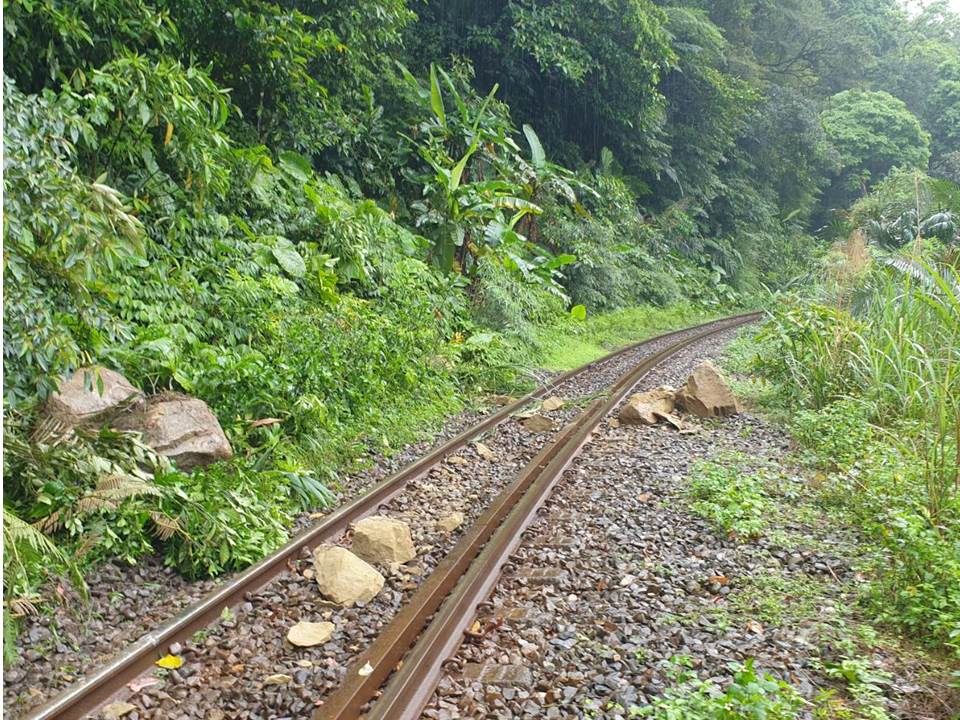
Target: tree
(873, 132)
(584, 73)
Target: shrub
(837, 433)
(731, 499)
(231, 517)
(750, 695)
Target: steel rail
(97, 688)
(443, 606)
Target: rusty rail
(97, 688)
(443, 606)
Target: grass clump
(873, 384)
(571, 343)
(751, 694)
(730, 498)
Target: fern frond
(165, 527)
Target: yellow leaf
(171, 662)
(169, 134)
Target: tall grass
(905, 359)
(880, 353)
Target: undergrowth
(732, 499)
(869, 388)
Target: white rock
(308, 634)
(116, 710)
(383, 540)
(343, 577)
(552, 403)
(451, 522)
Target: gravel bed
(58, 648)
(615, 578)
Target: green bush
(750, 695)
(729, 498)
(231, 517)
(838, 432)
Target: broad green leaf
(458, 169)
(288, 258)
(537, 156)
(296, 165)
(578, 312)
(436, 101)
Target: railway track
(428, 629)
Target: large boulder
(343, 577)
(76, 406)
(383, 540)
(648, 407)
(183, 429)
(706, 394)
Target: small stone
(175, 648)
(343, 577)
(537, 424)
(451, 522)
(116, 710)
(552, 403)
(308, 634)
(278, 679)
(485, 452)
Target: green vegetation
(570, 343)
(871, 370)
(319, 217)
(734, 500)
(750, 695)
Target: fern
(24, 546)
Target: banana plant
(470, 202)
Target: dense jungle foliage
(347, 217)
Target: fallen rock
(450, 522)
(308, 634)
(117, 710)
(648, 407)
(278, 679)
(485, 452)
(76, 406)
(183, 429)
(537, 423)
(383, 540)
(552, 403)
(343, 577)
(706, 394)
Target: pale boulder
(552, 403)
(448, 523)
(183, 429)
(308, 634)
(648, 407)
(76, 406)
(343, 577)
(537, 424)
(383, 540)
(706, 394)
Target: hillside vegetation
(336, 222)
